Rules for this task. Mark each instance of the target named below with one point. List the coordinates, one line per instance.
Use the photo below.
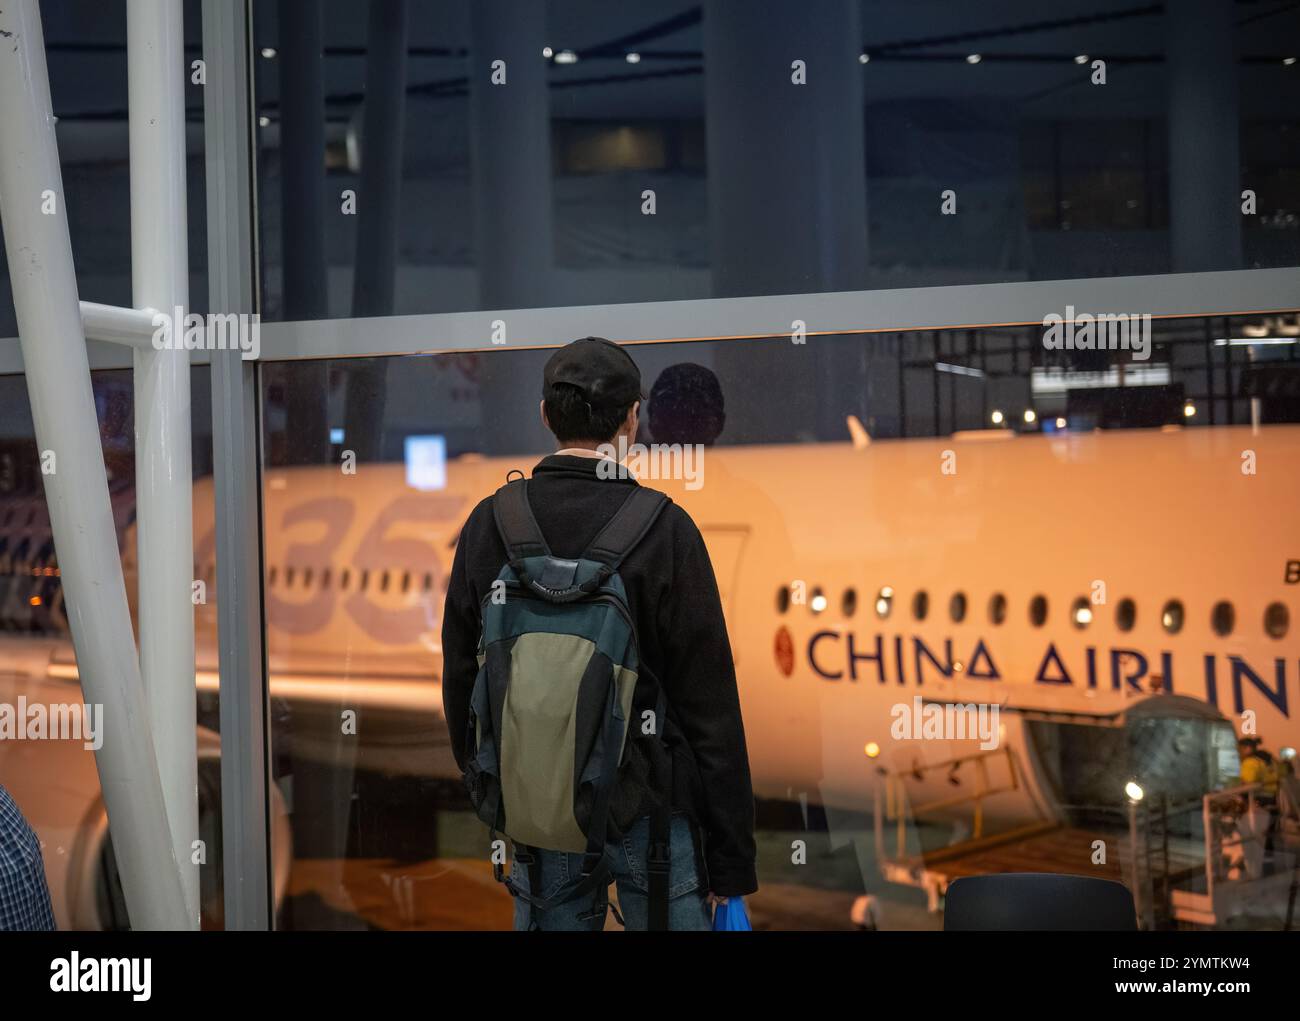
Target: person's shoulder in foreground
(24, 895)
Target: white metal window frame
(894, 310)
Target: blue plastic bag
(731, 916)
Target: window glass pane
(51, 775)
(627, 152)
(85, 50)
(1128, 472)
(54, 780)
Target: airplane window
(1038, 611)
(997, 608)
(364, 582)
(957, 607)
(406, 581)
(1276, 620)
(1126, 614)
(325, 577)
(306, 577)
(849, 604)
(1081, 613)
(921, 605)
(884, 602)
(428, 582)
(1223, 618)
(270, 578)
(345, 578)
(288, 577)
(817, 602)
(1172, 617)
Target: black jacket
(682, 634)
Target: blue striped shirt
(24, 896)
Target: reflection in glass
(673, 169)
(382, 832)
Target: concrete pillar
(302, 224)
(374, 281)
(787, 170)
(510, 132)
(1204, 150)
(302, 160)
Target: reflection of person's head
(591, 392)
(1247, 745)
(686, 405)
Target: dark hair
(571, 418)
(686, 405)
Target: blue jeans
(688, 907)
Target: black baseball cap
(603, 372)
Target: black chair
(1038, 902)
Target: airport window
(1276, 620)
(1068, 184)
(1223, 618)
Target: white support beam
(163, 475)
(133, 327)
(34, 211)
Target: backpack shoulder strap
(516, 523)
(628, 526)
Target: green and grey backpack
(563, 709)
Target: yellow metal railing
(892, 791)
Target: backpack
(560, 705)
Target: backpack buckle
(657, 857)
